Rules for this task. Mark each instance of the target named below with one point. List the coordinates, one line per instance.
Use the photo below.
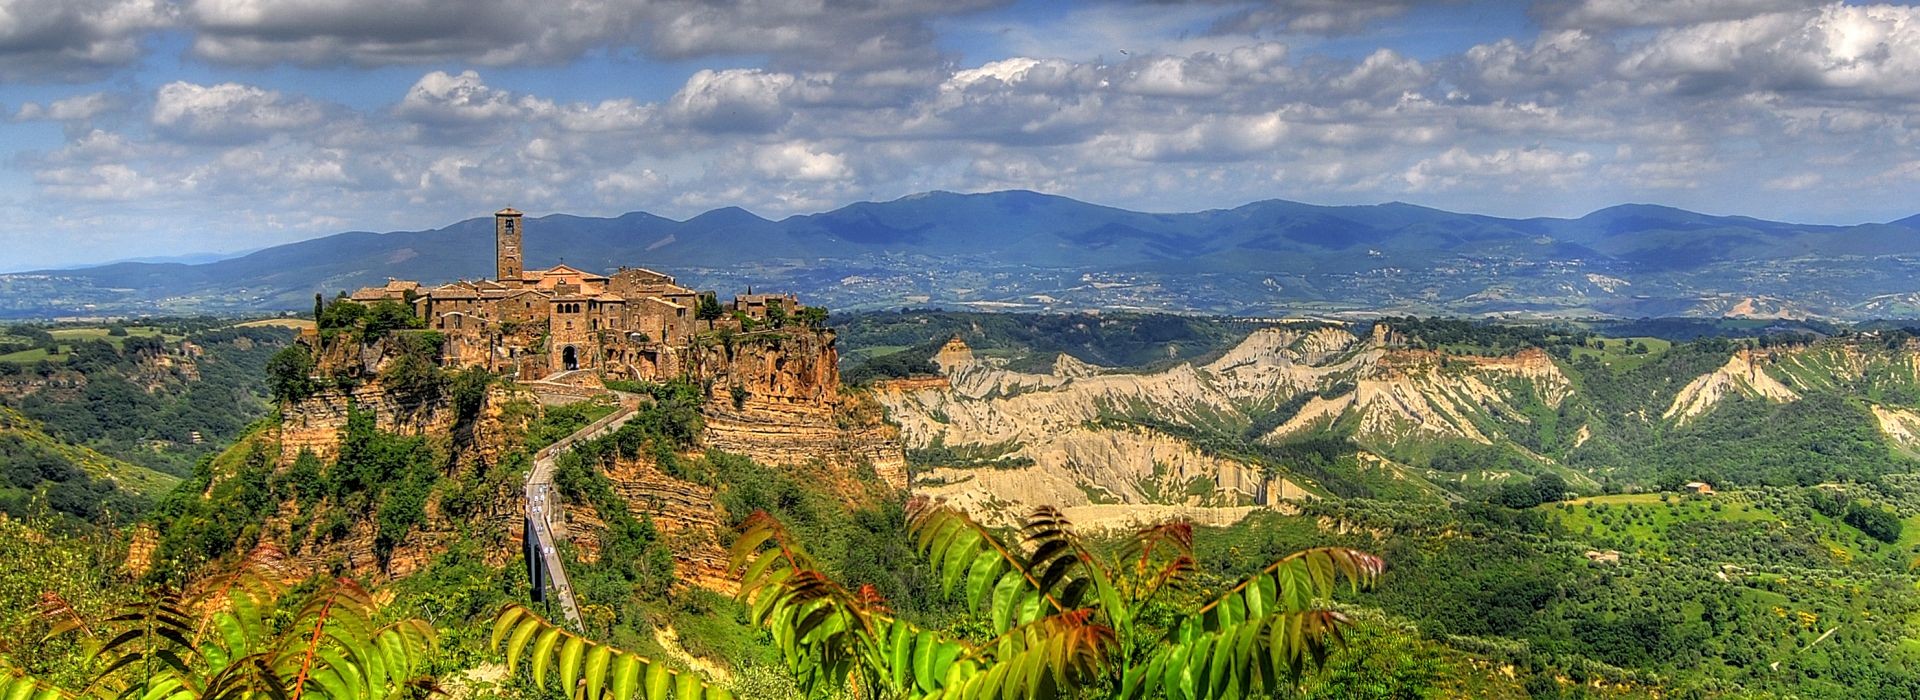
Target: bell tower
(506, 246)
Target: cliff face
(776, 397)
(684, 512)
(314, 423)
(473, 451)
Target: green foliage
(128, 405)
(911, 362)
(46, 567)
(414, 370)
(1485, 336)
(634, 563)
(341, 314)
(387, 316)
(709, 309)
(33, 475)
(387, 474)
(1546, 488)
(812, 316)
(939, 454)
(603, 671)
(1065, 615)
(243, 636)
(468, 388)
(197, 529)
(1877, 523)
(556, 422)
(290, 374)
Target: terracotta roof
(509, 211)
(452, 292)
(564, 269)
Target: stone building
(634, 323)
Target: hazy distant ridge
(1037, 250)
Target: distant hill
(1027, 250)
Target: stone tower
(506, 241)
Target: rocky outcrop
(1408, 393)
(1900, 425)
(314, 424)
(1742, 375)
(478, 448)
(776, 397)
(953, 355)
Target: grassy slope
(131, 477)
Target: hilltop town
(633, 324)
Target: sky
(152, 128)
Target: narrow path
(542, 499)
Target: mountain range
(1027, 250)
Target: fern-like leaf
(1003, 585)
(585, 668)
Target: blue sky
(135, 128)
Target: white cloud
(229, 111)
(1512, 167)
(74, 40)
(1562, 60)
(464, 99)
(78, 108)
(1847, 51)
(108, 182)
(800, 161)
(1799, 181)
(732, 100)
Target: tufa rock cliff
(776, 397)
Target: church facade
(533, 323)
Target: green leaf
(626, 676)
(596, 672)
(659, 682)
(543, 654)
(570, 653)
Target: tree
(387, 316)
(813, 316)
(709, 310)
(319, 306)
(1069, 617)
(341, 313)
(1877, 523)
(240, 636)
(290, 374)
